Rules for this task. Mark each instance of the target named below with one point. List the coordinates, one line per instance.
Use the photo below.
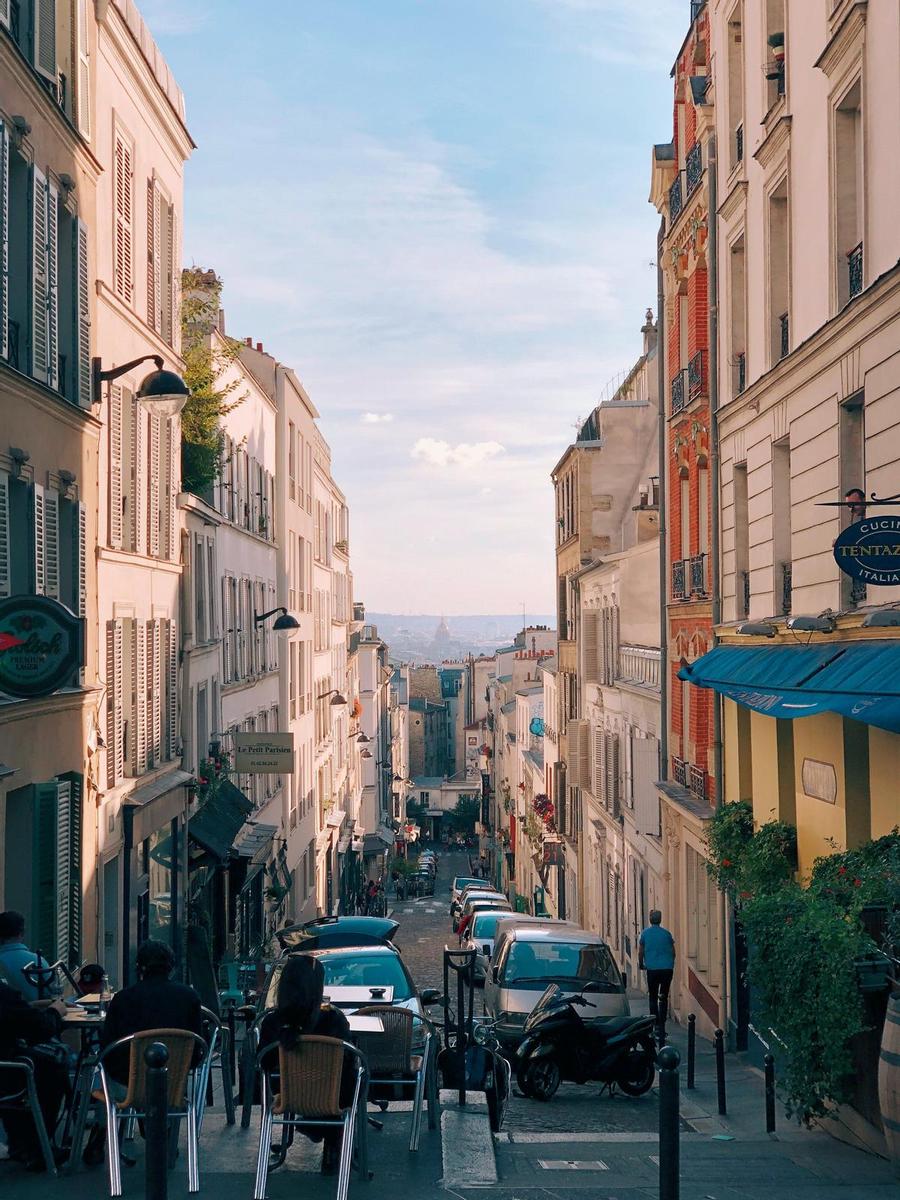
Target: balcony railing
(680, 771)
(784, 325)
(678, 393)
(739, 144)
(679, 579)
(676, 200)
(697, 376)
(696, 9)
(786, 572)
(740, 371)
(855, 270)
(12, 338)
(698, 575)
(693, 167)
(697, 781)
(858, 592)
(639, 665)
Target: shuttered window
(51, 544)
(38, 543)
(45, 39)
(136, 476)
(645, 772)
(40, 338)
(81, 308)
(83, 73)
(114, 702)
(153, 466)
(611, 771)
(5, 549)
(154, 693)
(56, 868)
(116, 426)
(123, 259)
(590, 660)
(171, 450)
(137, 722)
(171, 646)
(4, 236)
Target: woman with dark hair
(299, 1010)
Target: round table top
(79, 1016)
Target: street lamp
(362, 739)
(366, 754)
(283, 624)
(161, 392)
(336, 697)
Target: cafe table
(369, 994)
(88, 1024)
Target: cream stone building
(50, 745)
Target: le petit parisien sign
(264, 753)
(869, 550)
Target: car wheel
(539, 1079)
(637, 1070)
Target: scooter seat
(613, 1025)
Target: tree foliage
(206, 358)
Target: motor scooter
(560, 1043)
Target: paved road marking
(570, 1164)
(547, 1138)
(477, 1165)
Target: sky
(436, 212)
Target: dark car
(420, 883)
(327, 932)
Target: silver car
(480, 936)
(532, 957)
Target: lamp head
(756, 629)
(801, 624)
(285, 623)
(337, 698)
(163, 392)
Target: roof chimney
(259, 347)
(249, 342)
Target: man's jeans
(658, 983)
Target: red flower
(857, 883)
(842, 870)
(746, 895)
(202, 780)
(726, 862)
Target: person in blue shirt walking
(656, 956)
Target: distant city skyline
(445, 232)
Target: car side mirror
(430, 996)
(495, 974)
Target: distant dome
(443, 631)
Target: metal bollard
(720, 1071)
(770, 1093)
(691, 1049)
(669, 1132)
(156, 1056)
(232, 1040)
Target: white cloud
(173, 18)
(374, 418)
(463, 454)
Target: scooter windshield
(553, 995)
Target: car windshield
(352, 968)
(537, 964)
(484, 924)
(462, 881)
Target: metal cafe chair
(25, 1100)
(309, 1086)
(392, 1063)
(183, 1093)
(218, 1039)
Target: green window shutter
(4, 226)
(70, 851)
(43, 868)
(39, 335)
(51, 203)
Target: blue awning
(856, 679)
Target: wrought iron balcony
(680, 771)
(12, 338)
(745, 582)
(697, 7)
(676, 200)
(679, 579)
(693, 167)
(855, 270)
(858, 592)
(784, 323)
(678, 393)
(740, 370)
(786, 573)
(697, 376)
(739, 144)
(698, 575)
(697, 781)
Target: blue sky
(436, 212)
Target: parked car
(488, 904)
(532, 957)
(480, 937)
(480, 888)
(420, 883)
(459, 884)
(336, 931)
(459, 907)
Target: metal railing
(680, 771)
(786, 584)
(740, 370)
(676, 199)
(693, 167)
(739, 144)
(784, 326)
(855, 270)
(698, 575)
(678, 393)
(697, 376)
(858, 593)
(697, 781)
(679, 579)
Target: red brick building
(680, 190)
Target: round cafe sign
(41, 646)
(869, 550)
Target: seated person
(21, 1023)
(90, 979)
(15, 955)
(299, 1010)
(155, 1002)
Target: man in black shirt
(21, 1023)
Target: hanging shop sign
(41, 646)
(869, 550)
(264, 753)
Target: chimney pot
(249, 342)
(259, 347)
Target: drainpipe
(663, 531)
(714, 541)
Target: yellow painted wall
(819, 823)
(764, 738)
(884, 780)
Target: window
(161, 273)
(848, 194)
(741, 542)
(43, 544)
(292, 460)
(779, 269)
(738, 304)
(685, 719)
(781, 524)
(852, 440)
(201, 633)
(735, 94)
(685, 516)
(702, 917)
(123, 206)
(774, 51)
(56, 827)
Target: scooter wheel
(539, 1079)
(637, 1070)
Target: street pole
(669, 1146)
(156, 1056)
